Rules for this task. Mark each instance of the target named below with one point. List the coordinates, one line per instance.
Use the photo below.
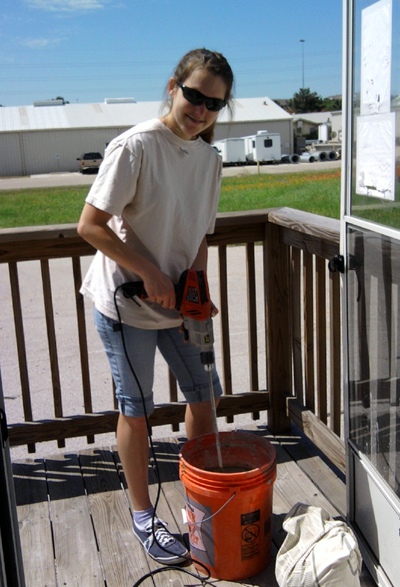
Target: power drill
(194, 304)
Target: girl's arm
(93, 227)
(201, 260)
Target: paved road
(75, 178)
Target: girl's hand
(160, 289)
(214, 310)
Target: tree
(332, 104)
(305, 101)
(61, 98)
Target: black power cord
(156, 468)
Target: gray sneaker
(161, 546)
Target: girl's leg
(199, 419)
(133, 450)
(133, 376)
(134, 382)
(194, 381)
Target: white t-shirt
(163, 194)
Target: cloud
(67, 5)
(39, 43)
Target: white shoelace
(163, 537)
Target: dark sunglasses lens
(193, 96)
(196, 98)
(214, 104)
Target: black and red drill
(194, 304)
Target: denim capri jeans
(135, 388)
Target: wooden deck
(75, 518)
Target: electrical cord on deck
(155, 468)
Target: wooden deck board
(71, 522)
(329, 480)
(34, 522)
(122, 563)
(80, 502)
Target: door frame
(359, 469)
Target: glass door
(371, 245)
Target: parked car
(89, 162)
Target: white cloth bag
(318, 551)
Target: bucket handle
(213, 515)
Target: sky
(90, 50)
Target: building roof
(314, 117)
(253, 109)
(119, 114)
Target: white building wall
(11, 155)
(50, 151)
(33, 152)
(337, 126)
(53, 151)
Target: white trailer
(232, 151)
(263, 147)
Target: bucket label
(195, 518)
(250, 518)
(200, 533)
(251, 531)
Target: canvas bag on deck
(317, 551)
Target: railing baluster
(82, 337)
(224, 312)
(252, 316)
(297, 336)
(52, 342)
(309, 330)
(321, 333)
(252, 320)
(335, 363)
(173, 394)
(21, 347)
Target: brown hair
(216, 64)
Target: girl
(147, 214)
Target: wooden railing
(292, 307)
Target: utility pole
(302, 41)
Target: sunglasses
(196, 98)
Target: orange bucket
(229, 510)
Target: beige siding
(11, 155)
(52, 151)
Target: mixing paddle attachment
(214, 413)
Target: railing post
(278, 330)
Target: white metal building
(49, 136)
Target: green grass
(317, 192)
(41, 206)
